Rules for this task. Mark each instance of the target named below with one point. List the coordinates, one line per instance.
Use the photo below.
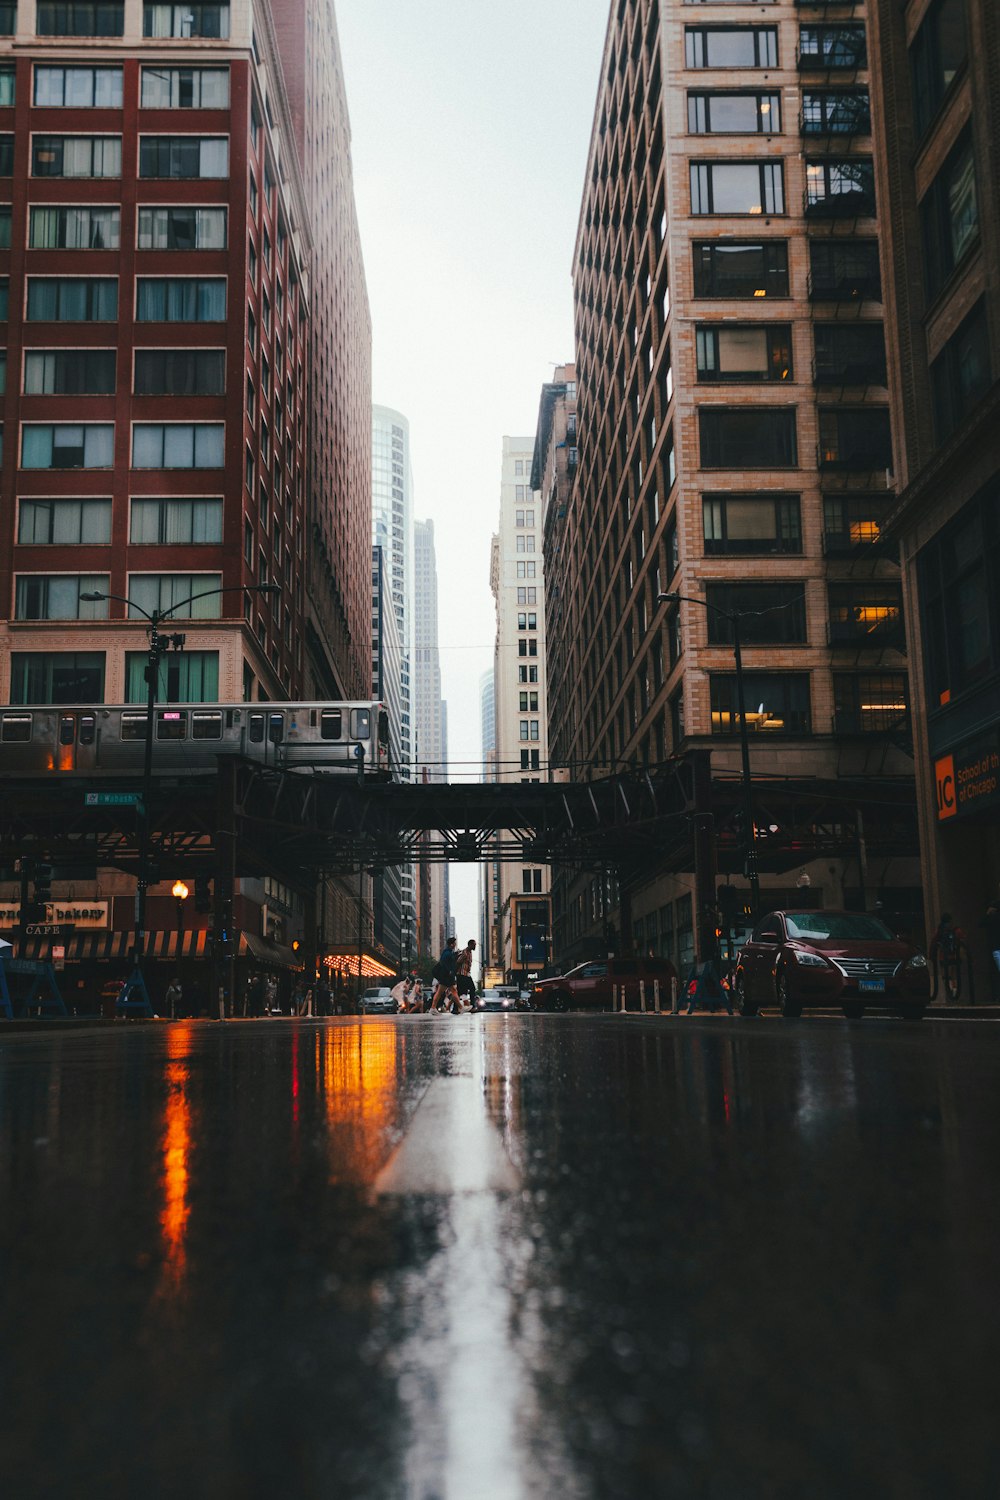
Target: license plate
(872, 986)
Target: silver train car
(106, 739)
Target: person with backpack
(445, 973)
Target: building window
(840, 189)
(937, 56)
(185, 20)
(961, 375)
(37, 597)
(751, 524)
(839, 46)
(57, 677)
(855, 438)
(959, 584)
(836, 112)
(172, 591)
(747, 437)
(8, 89)
(184, 677)
(949, 215)
(185, 88)
(178, 445)
(69, 372)
(844, 269)
(182, 228)
(76, 156)
(180, 372)
(76, 299)
(79, 18)
(751, 352)
(854, 521)
(868, 614)
(78, 228)
(734, 114)
(78, 87)
(67, 446)
(869, 702)
(775, 613)
(182, 299)
(8, 26)
(849, 354)
(4, 297)
(731, 46)
(183, 156)
(6, 155)
(773, 703)
(55, 523)
(175, 523)
(741, 268)
(732, 187)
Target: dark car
(801, 958)
(591, 986)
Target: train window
(88, 729)
(133, 727)
(255, 733)
(16, 729)
(361, 724)
(312, 718)
(171, 725)
(276, 728)
(331, 724)
(67, 729)
(206, 726)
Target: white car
(378, 1001)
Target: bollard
(674, 995)
(642, 996)
(656, 996)
(624, 998)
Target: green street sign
(112, 799)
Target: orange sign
(944, 775)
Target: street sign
(58, 956)
(112, 799)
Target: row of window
(58, 596)
(823, 112)
(106, 18)
(157, 372)
(94, 299)
(868, 613)
(161, 521)
(764, 437)
(188, 157)
(778, 703)
(98, 227)
(841, 46)
(844, 352)
(155, 445)
(76, 86)
(758, 187)
(78, 677)
(762, 524)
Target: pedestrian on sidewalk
(445, 974)
(463, 970)
(174, 998)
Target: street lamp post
(749, 828)
(158, 647)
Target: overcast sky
(470, 124)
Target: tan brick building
(734, 448)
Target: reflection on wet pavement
(500, 1257)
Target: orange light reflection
(176, 1149)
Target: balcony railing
(884, 635)
(849, 372)
(873, 457)
(857, 204)
(867, 721)
(845, 288)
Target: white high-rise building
(392, 530)
(521, 752)
(430, 734)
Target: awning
(267, 951)
(81, 946)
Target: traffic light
(730, 907)
(43, 882)
(202, 893)
(36, 907)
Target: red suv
(845, 958)
(591, 986)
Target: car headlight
(918, 961)
(506, 1005)
(811, 961)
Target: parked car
(803, 958)
(378, 1001)
(591, 986)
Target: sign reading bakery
(968, 780)
(84, 916)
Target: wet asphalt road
(494, 1258)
